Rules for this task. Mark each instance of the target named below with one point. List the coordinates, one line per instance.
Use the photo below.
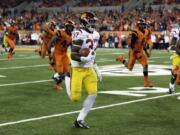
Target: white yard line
(31, 57)
(2, 76)
(34, 66)
(108, 53)
(22, 83)
(159, 57)
(74, 112)
(19, 67)
(44, 65)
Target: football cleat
(171, 88)
(80, 124)
(148, 84)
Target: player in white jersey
(82, 68)
(174, 37)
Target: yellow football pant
(175, 61)
(82, 77)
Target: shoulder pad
(96, 35)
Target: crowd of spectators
(160, 41)
(52, 3)
(112, 20)
(9, 3)
(159, 2)
(88, 3)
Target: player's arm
(76, 46)
(133, 39)
(148, 43)
(52, 42)
(44, 30)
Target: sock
(173, 78)
(88, 103)
(68, 85)
(56, 75)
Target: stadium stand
(54, 3)
(159, 2)
(109, 20)
(100, 3)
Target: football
(84, 52)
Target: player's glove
(98, 72)
(90, 57)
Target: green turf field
(30, 106)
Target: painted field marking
(136, 91)
(108, 53)
(43, 65)
(31, 57)
(2, 76)
(95, 108)
(22, 83)
(20, 67)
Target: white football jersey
(174, 33)
(90, 40)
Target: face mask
(91, 27)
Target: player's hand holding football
(90, 57)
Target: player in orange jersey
(61, 42)
(136, 41)
(11, 38)
(48, 32)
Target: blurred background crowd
(161, 16)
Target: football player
(61, 41)
(175, 77)
(82, 68)
(48, 30)
(136, 41)
(11, 38)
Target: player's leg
(11, 44)
(4, 45)
(77, 75)
(178, 76)
(59, 75)
(44, 48)
(90, 83)
(173, 80)
(66, 69)
(131, 61)
(174, 72)
(144, 63)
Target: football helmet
(88, 20)
(69, 26)
(52, 24)
(141, 24)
